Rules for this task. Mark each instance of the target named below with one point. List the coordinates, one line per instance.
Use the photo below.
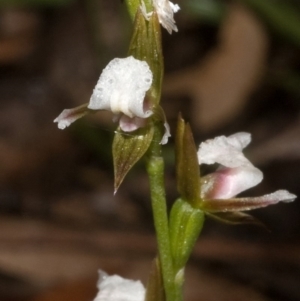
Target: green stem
(155, 169)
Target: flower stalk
(146, 45)
(155, 169)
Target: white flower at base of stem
(116, 288)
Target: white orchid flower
(121, 89)
(234, 175)
(116, 288)
(165, 10)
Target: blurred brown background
(233, 66)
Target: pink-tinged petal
(128, 124)
(68, 116)
(244, 204)
(236, 173)
(116, 288)
(228, 182)
(226, 151)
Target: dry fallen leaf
(221, 84)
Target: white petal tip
(166, 135)
(175, 7)
(61, 124)
(284, 196)
(68, 116)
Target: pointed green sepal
(236, 218)
(128, 149)
(187, 166)
(145, 45)
(155, 287)
(186, 223)
(139, 44)
(156, 61)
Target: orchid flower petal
(167, 134)
(165, 10)
(68, 116)
(226, 151)
(236, 172)
(228, 182)
(243, 204)
(116, 288)
(160, 115)
(122, 87)
(128, 124)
